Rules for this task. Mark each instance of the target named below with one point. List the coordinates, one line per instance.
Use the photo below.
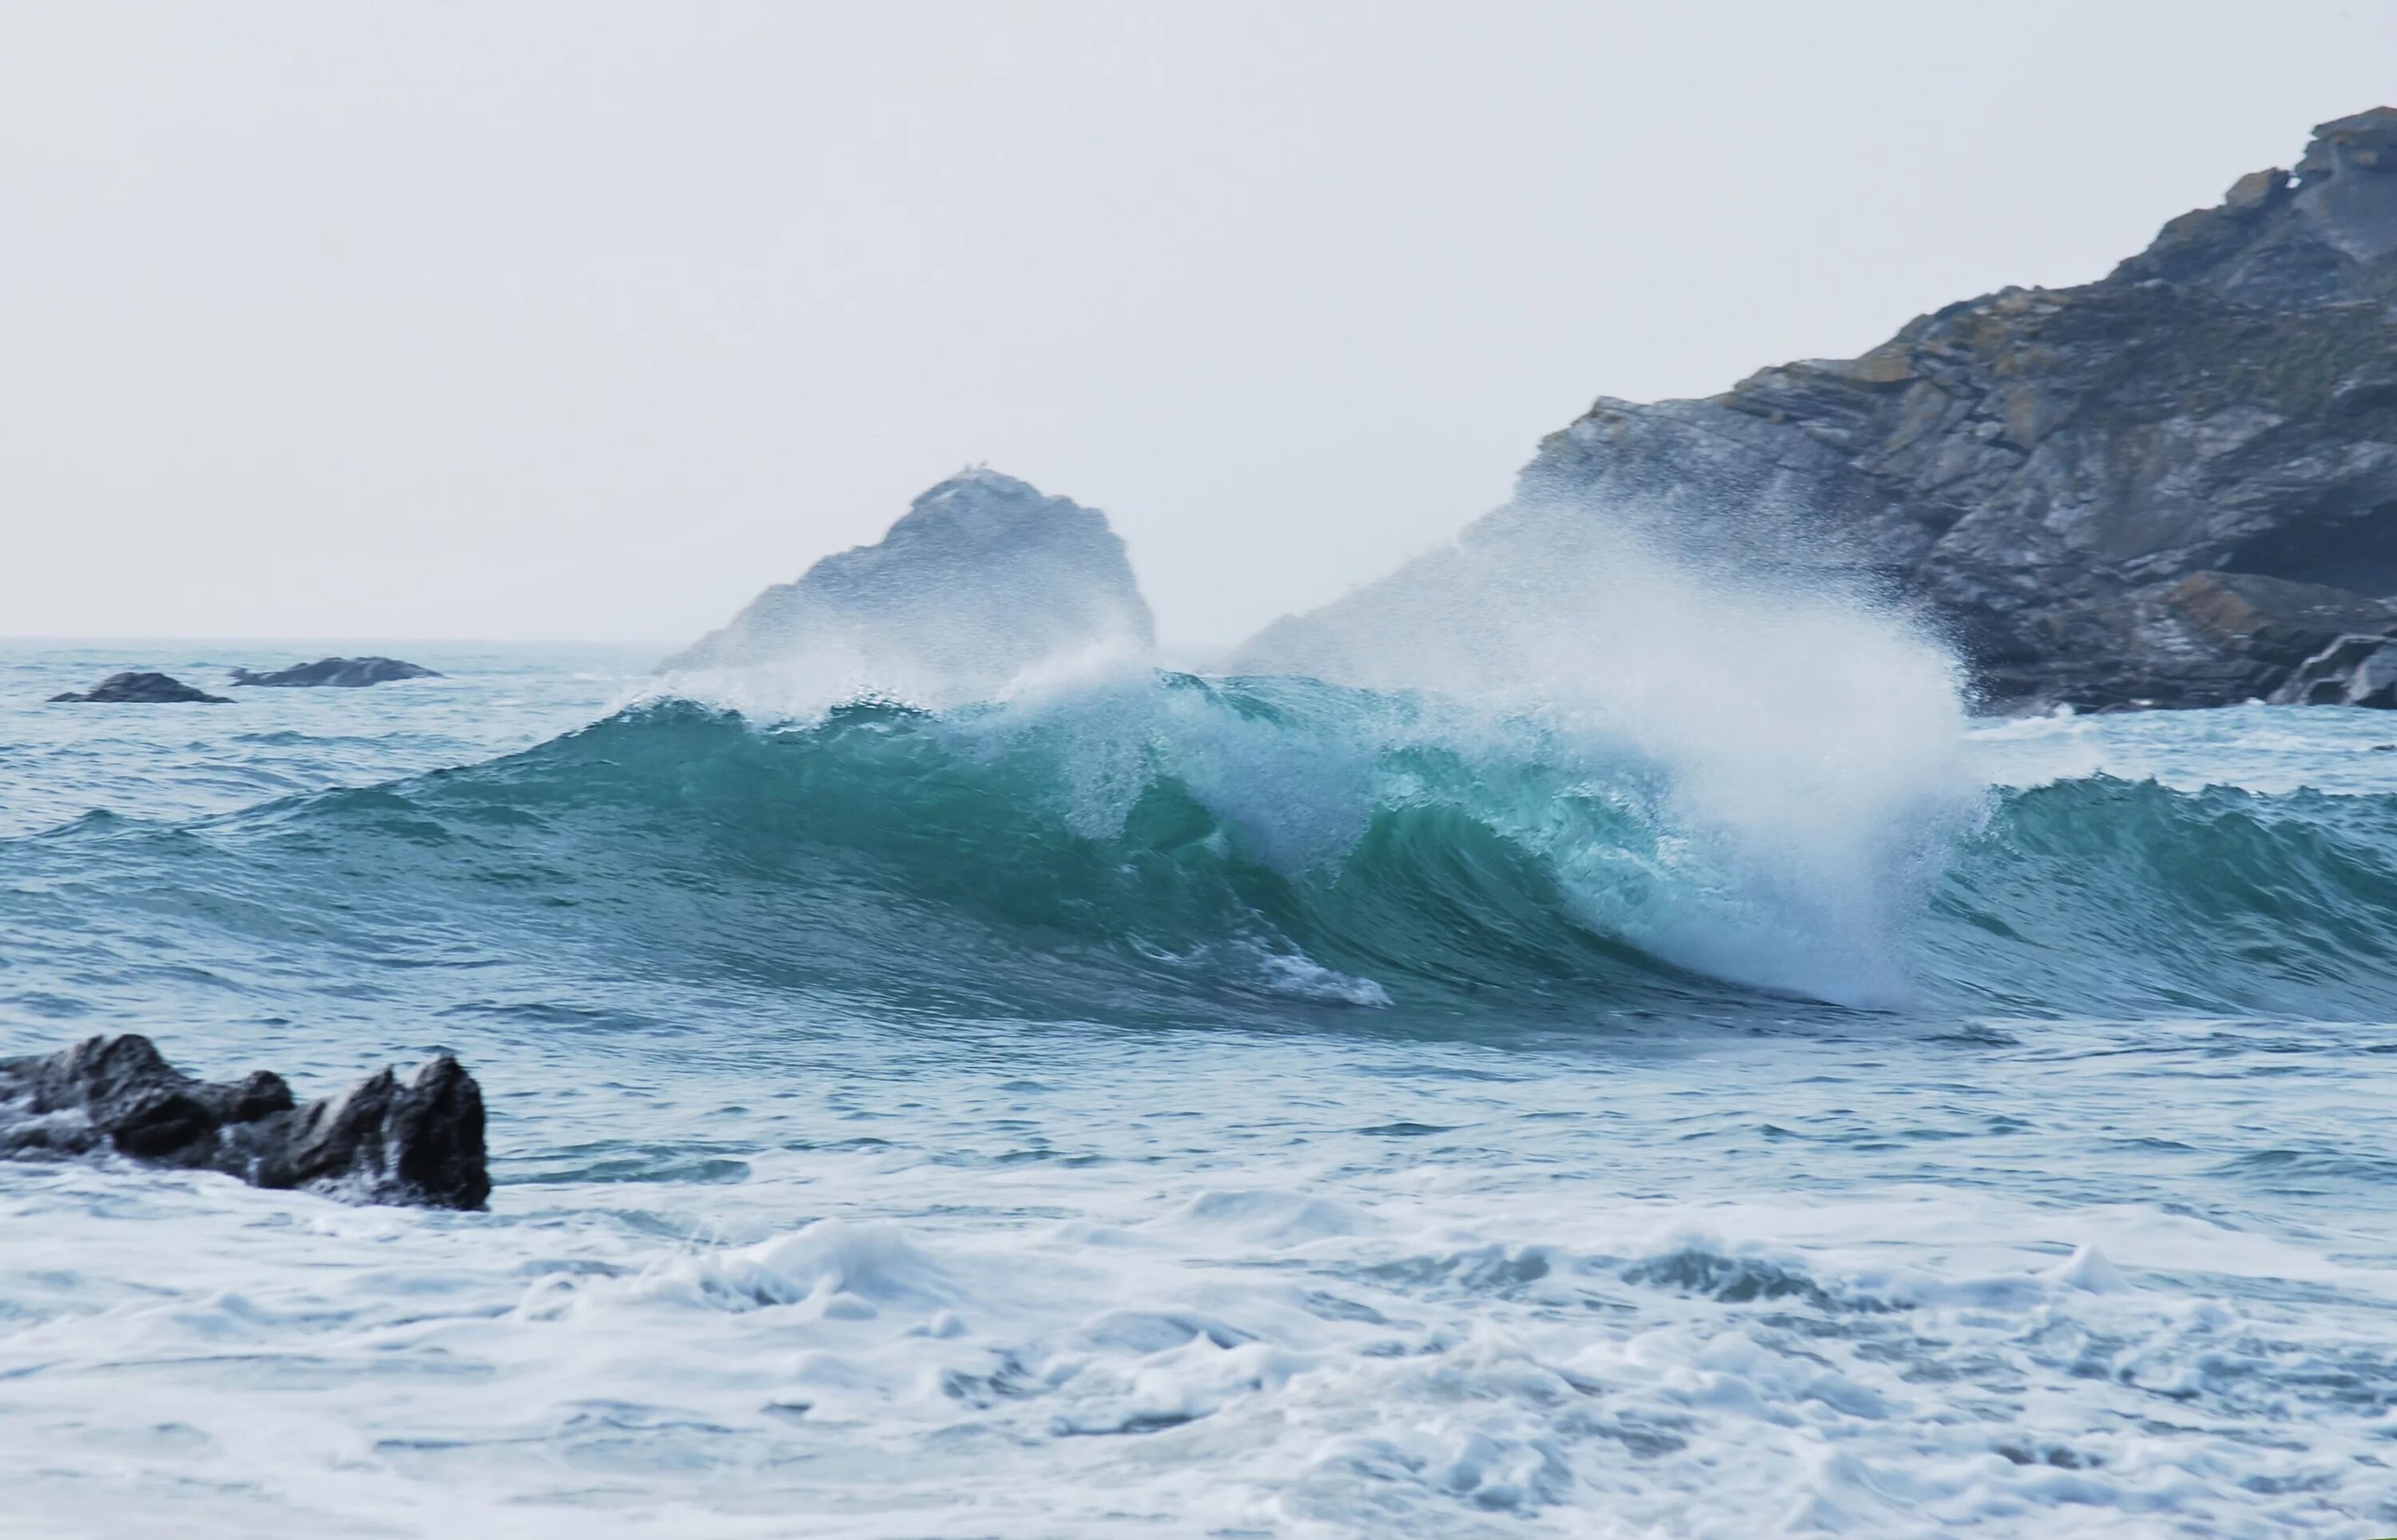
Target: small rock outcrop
(2170, 486)
(981, 579)
(347, 673)
(2237, 635)
(142, 689)
(384, 1140)
(2353, 670)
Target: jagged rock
(142, 689)
(384, 1140)
(2353, 670)
(983, 579)
(2320, 236)
(341, 672)
(2040, 472)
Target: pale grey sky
(581, 320)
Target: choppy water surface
(1202, 1107)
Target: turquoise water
(1209, 1106)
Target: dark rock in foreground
(143, 689)
(2354, 670)
(384, 1140)
(339, 672)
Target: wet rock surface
(336, 673)
(142, 689)
(2354, 670)
(384, 1140)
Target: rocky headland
(2174, 486)
(347, 673)
(384, 1140)
(981, 579)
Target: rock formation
(341, 672)
(384, 1140)
(2170, 486)
(2353, 670)
(983, 579)
(142, 689)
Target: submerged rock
(142, 689)
(2353, 670)
(2171, 486)
(340, 672)
(983, 579)
(384, 1140)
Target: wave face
(2103, 895)
(1174, 847)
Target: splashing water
(1808, 745)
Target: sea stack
(982, 578)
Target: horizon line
(149, 639)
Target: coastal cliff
(2171, 486)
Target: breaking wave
(1176, 846)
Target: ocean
(1161, 1104)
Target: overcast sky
(586, 321)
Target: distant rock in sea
(981, 579)
(142, 689)
(339, 672)
(2170, 486)
(384, 1140)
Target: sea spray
(1802, 742)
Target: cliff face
(2171, 486)
(982, 578)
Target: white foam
(2267, 750)
(838, 667)
(1297, 976)
(1350, 1353)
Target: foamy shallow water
(765, 1261)
(2104, 1282)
